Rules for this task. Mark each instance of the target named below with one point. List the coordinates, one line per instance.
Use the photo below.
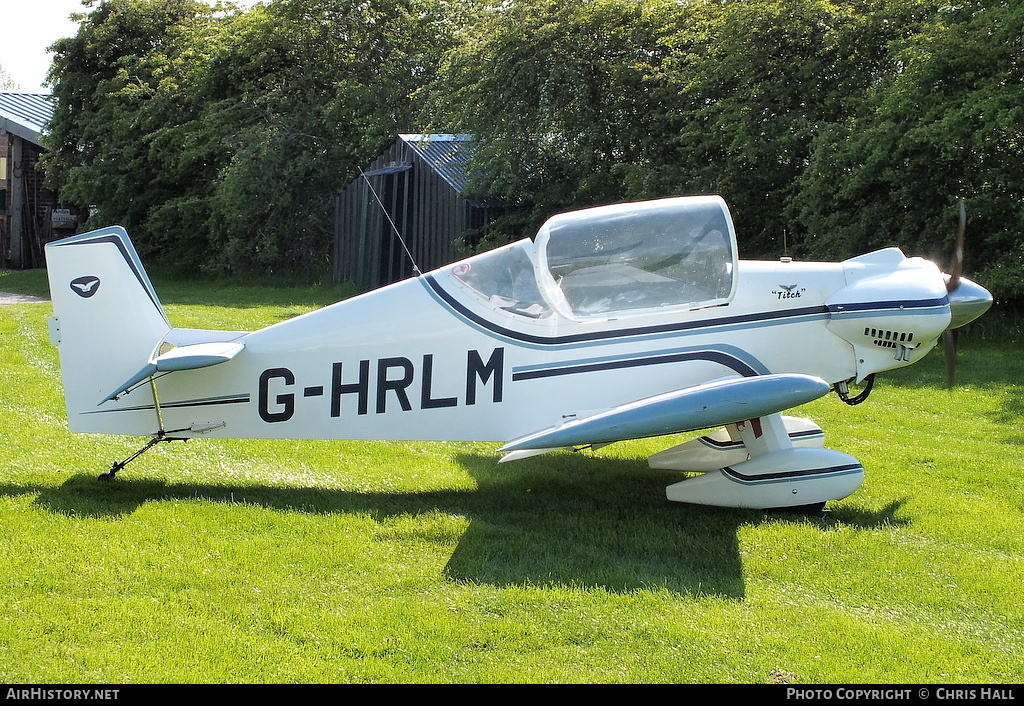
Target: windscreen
(506, 278)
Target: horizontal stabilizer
(710, 405)
(198, 355)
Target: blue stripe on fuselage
(722, 323)
(732, 358)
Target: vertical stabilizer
(107, 324)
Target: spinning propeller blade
(967, 300)
(949, 336)
(957, 269)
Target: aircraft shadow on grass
(598, 523)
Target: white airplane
(619, 322)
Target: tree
(219, 138)
(756, 81)
(604, 100)
(314, 88)
(120, 85)
(559, 98)
(945, 124)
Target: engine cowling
(893, 310)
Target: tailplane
(108, 323)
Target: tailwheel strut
(161, 435)
(118, 465)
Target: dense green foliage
(947, 123)
(219, 138)
(829, 127)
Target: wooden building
(417, 189)
(30, 214)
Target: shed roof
(447, 154)
(25, 114)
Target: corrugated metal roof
(25, 114)
(446, 154)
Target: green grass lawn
(227, 561)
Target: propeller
(957, 270)
(967, 300)
(951, 336)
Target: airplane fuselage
(423, 359)
(613, 323)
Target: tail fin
(107, 324)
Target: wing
(712, 404)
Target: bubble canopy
(611, 260)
